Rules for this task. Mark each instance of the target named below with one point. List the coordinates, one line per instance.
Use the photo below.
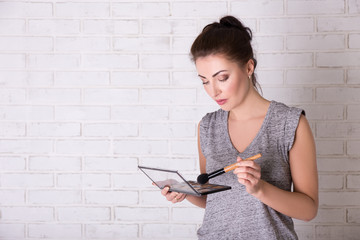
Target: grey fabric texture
(235, 214)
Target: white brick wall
(91, 89)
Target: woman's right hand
(173, 197)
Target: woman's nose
(215, 91)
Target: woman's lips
(221, 101)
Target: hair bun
(232, 22)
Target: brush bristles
(203, 178)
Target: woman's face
(224, 81)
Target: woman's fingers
(173, 197)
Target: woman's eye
(204, 83)
(223, 79)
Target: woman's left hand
(249, 174)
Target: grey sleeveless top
(235, 214)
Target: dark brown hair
(228, 37)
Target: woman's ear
(250, 67)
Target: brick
(159, 26)
(12, 197)
(26, 146)
(268, 44)
(39, 214)
(281, 60)
(82, 146)
(109, 231)
(54, 96)
(290, 95)
(165, 61)
(54, 61)
(85, 180)
(12, 96)
(86, 113)
(181, 44)
(286, 25)
(329, 147)
(110, 164)
(187, 215)
(110, 129)
(24, 180)
(82, 44)
(82, 78)
(54, 163)
(330, 215)
(168, 96)
(137, 10)
(315, 7)
(141, 214)
(353, 112)
(199, 9)
(172, 130)
(139, 78)
(14, 61)
(143, 44)
(82, 10)
(259, 8)
(338, 24)
(315, 76)
(110, 96)
(61, 231)
(24, 44)
(353, 215)
(339, 198)
(316, 42)
(185, 148)
(338, 130)
(28, 78)
(353, 76)
(130, 180)
(12, 129)
(353, 181)
(52, 27)
(323, 111)
(336, 232)
(354, 6)
(110, 61)
(25, 9)
(354, 40)
(119, 198)
(339, 59)
(338, 94)
(32, 113)
(140, 147)
(139, 113)
(25, 78)
(53, 129)
(338, 164)
(12, 26)
(54, 197)
(111, 26)
(12, 163)
(156, 231)
(334, 182)
(12, 230)
(154, 198)
(83, 214)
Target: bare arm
(302, 203)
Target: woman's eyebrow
(214, 75)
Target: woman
(266, 193)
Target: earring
(250, 77)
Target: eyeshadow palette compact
(177, 183)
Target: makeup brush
(204, 178)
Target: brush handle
(234, 165)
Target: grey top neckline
(258, 134)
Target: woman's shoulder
(283, 111)
(213, 117)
